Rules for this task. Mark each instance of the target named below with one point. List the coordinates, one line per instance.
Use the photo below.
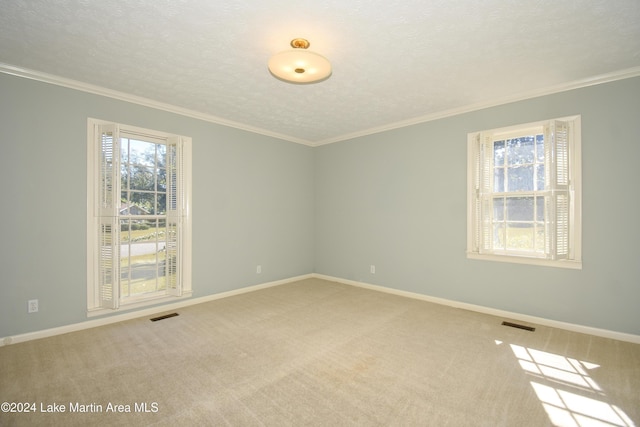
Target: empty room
(266, 213)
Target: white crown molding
(605, 333)
(121, 96)
(591, 81)
(97, 90)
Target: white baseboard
(140, 313)
(184, 303)
(621, 336)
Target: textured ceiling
(394, 61)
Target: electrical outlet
(32, 306)
(259, 269)
(372, 269)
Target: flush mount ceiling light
(299, 65)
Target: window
(524, 194)
(138, 225)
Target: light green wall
(398, 200)
(252, 202)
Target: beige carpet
(327, 354)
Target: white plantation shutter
(475, 213)
(107, 143)
(485, 190)
(108, 263)
(176, 210)
(557, 199)
(481, 164)
(107, 213)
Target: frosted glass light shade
(300, 66)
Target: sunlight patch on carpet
(568, 394)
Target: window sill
(94, 312)
(571, 264)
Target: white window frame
(96, 217)
(479, 247)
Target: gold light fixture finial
(300, 65)
(300, 44)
